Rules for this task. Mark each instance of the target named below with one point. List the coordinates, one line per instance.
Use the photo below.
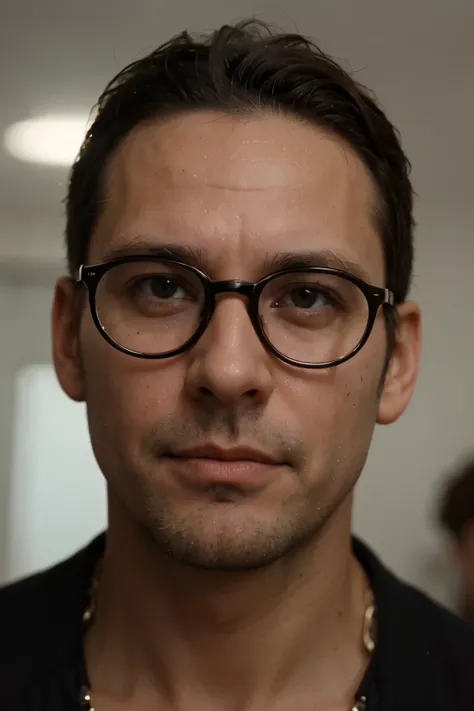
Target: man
(456, 517)
(239, 234)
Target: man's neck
(175, 637)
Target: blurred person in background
(240, 245)
(456, 517)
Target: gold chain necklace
(368, 639)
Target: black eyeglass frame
(91, 275)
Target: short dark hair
(247, 68)
(456, 504)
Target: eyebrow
(199, 258)
(181, 253)
(319, 258)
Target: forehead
(239, 188)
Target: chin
(227, 541)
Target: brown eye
(306, 297)
(160, 287)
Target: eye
(306, 297)
(160, 287)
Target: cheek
(336, 408)
(126, 395)
(336, 391)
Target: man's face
(239, 191)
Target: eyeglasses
(311, 317)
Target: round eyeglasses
(311, 317)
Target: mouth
(238, 466)
(234, 454)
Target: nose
(229, 365)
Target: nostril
(206, 392)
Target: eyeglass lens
(155, 307)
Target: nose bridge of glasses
(235, 286)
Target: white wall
(25, 339)
(30, 241)
(393, 505)
(57, 499)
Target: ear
(403, 367)
(65, 324)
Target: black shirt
(424, 658)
